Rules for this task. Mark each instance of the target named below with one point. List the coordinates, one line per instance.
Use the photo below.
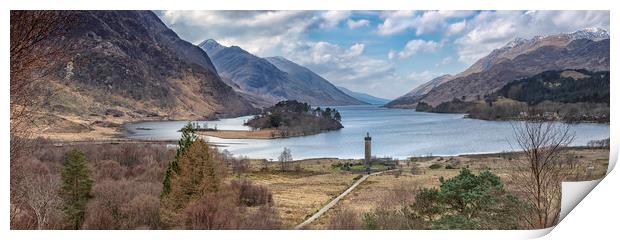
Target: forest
(567, 95)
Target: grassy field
(398, 189)
(311, 183)
(304, 189)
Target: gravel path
(335, 201)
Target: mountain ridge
(262, 79)
(131, 63)
(508, 53)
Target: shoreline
(241, 134)
(124, 140)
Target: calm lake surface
(398, 133)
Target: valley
(218, 120)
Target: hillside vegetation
(568, 95)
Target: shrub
(345, 220)
(211, 211)
(383, 219)
(250, 194)
(468, 201)
(264, 218)
(435, 166)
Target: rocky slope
(519, 58)
(270, 80)
(128, 64)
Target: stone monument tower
(367, 153)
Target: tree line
(293, 118)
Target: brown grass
(378, 191)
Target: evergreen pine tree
(75, 189)
(188, 136)
(200, 174)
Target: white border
(589, 206)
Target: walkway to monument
(333, 202)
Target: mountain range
(268, 80)
(130, 64)
(584, 49)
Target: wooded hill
(567, 95)
(293, 118)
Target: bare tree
(36, 42)
(284, 158)
(40, 191)
(42, 196)
(540, 170)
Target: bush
(345, 220)
(212, 211)
(383, 219)
(468, 201)
(435, 166)
(250, 194)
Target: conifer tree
(188, 136)
(200, 173)
(76, 186)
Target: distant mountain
(323, 90)
(270, 80)
(583, 49)
(130, 64)
(520, 46)
(367, 98)
(417, 93)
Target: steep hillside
(128, 64)
(262, 79)
(312, 82)
(579, 54)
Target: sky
(383, 53)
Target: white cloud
(332, 18)
(391, 54)
(444, 61)
(456, 28)
(417, 45)
(348, 67)
(423, 22)
(355, 24)
(356, 49)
